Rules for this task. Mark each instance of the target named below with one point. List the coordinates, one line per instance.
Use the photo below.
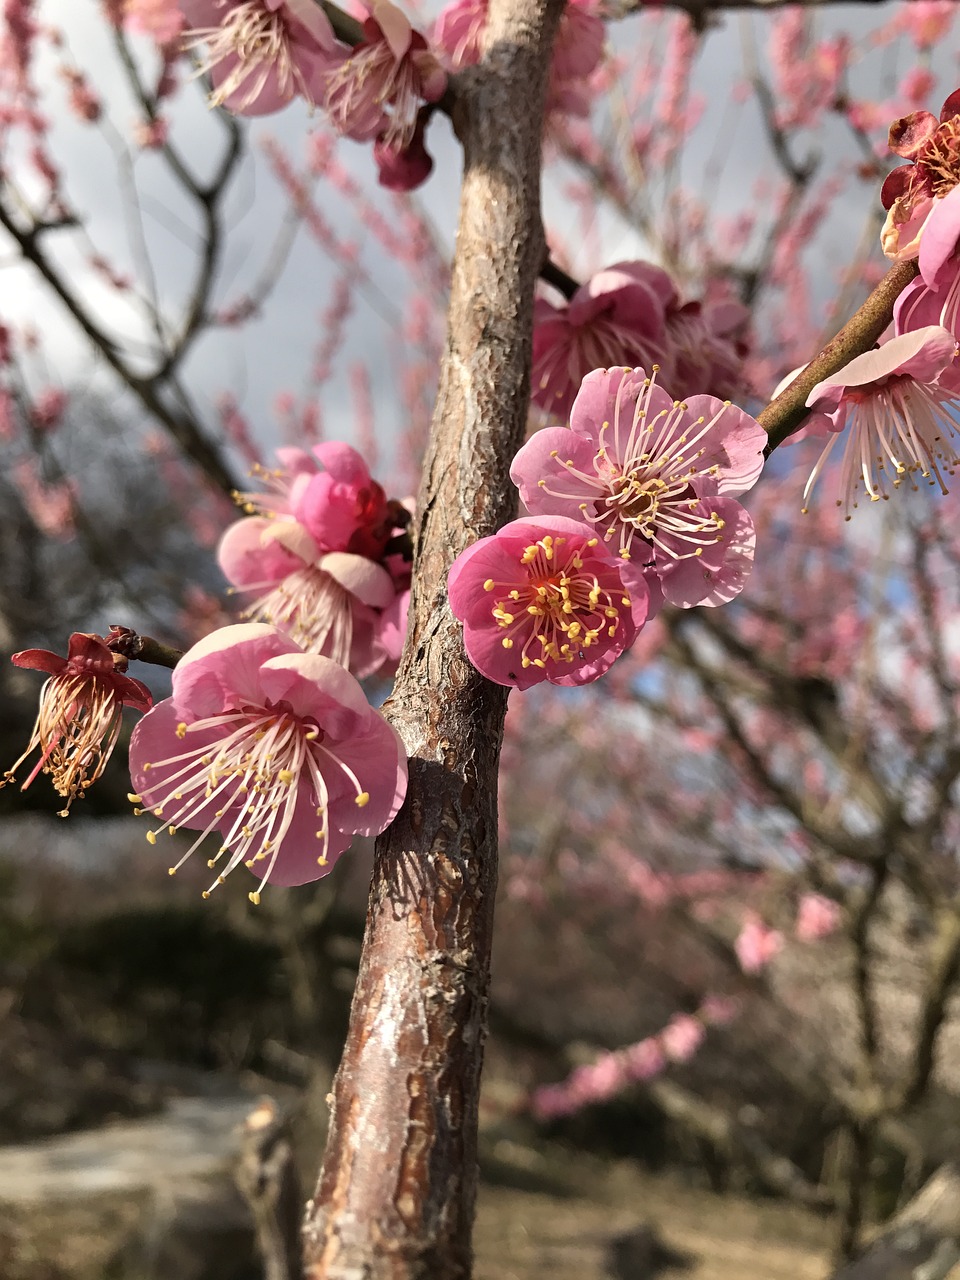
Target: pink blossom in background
(163, 20)
(651, 475)
(151, 135)
(276, 750)
(817, 917)
(47, 410)
(682, 1037)
(261, 54)
(756, 944)
(707, 344)
(329, 603)
(544, 600)
(617, 317)
(577, 49)
(377, 89)
(81, 706)
(899, 418)
(910, 192)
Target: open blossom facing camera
(275, 749)
(899, 418)
(653, 476)
(262, 53)
(544, 600)
(81, 706)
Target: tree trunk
(398, 1184)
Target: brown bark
(397, 1188)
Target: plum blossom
(617, 317)
(817, 917)
(331, 493)
(756, 944)
(899, 416)
(653, 477)
(934, 297)
(376, 91)
(81, 707)
(911, 191)
(329, 603)
(262, 53)
(275, 749)
(544, 600)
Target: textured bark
(397, 1188)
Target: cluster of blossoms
(316, 556)
(900, 402)
(267, 738)
(376, 81)
(630, 506)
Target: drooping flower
(934, 297)
(652, 476)
(911, 191)
(899, 417)
(81, 706)
(617, 317)
(378, 88)
(277, 750)
(330, 493)
(327, 602)
(405, 168)
(262, 53)
(544, 600)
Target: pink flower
(275, 749)
(81, 707)
(898, 415)
(756, 944)
(618, 317)
(652, 476)
(326, 602)
(333, 496)
(161, 19)
(706, 344)
(682, 1037)
(934, 298)
(261, 53)
(911, 191)
(543, 600)
(817, 917)
(378, 88)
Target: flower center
(939, 159)
(559, 610)
(249, 785)
(313, 609)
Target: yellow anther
(489, 584)
(507, 642)
(362, 799)
(181, 730)
(151, 838)
(134, 799)
(286, 776)
(254, 898)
